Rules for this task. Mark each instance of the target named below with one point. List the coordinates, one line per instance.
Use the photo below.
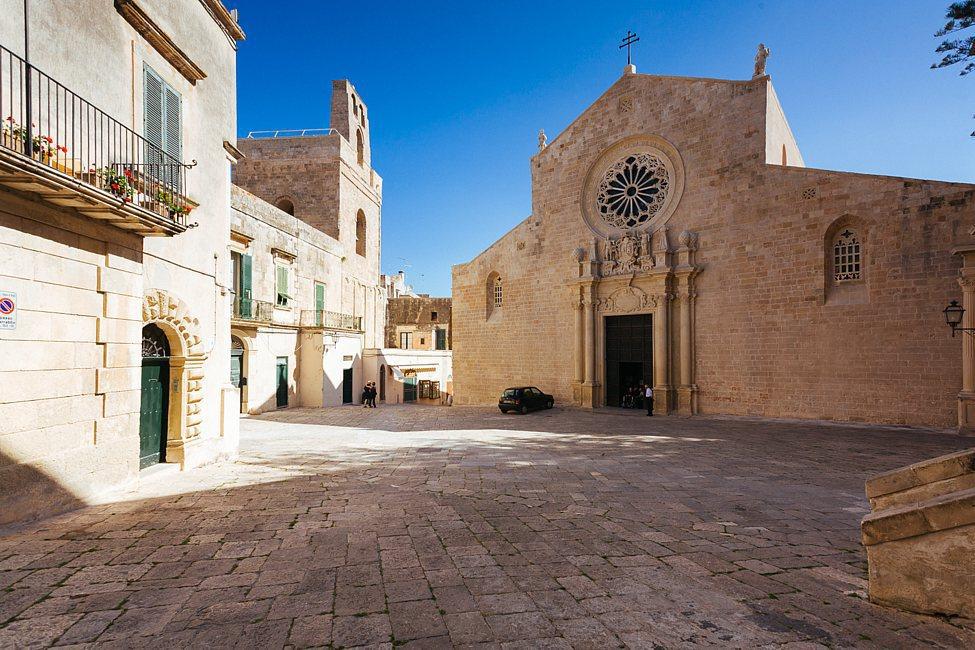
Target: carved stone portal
(186, 369)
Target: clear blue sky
(457, 92)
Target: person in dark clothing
(372, 394)
(648, 396)
(365, 396)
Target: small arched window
(360, 233)
(360, 146)
(494, 294)
(846, 256)
(285, 204)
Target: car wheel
(502, 410)
(549, 404)
(524, 410)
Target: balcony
(70, 153)
(262, 312)
(330, 320)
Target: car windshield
(511, 392)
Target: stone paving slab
(437, 527)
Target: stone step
(921, 555)
(922, 481)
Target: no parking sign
(8, 310)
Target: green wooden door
(319, 302)
(246, 291)
(409, 389)
(154, 411)
(282, 394)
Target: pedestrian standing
(365, 396)
(649, 397)
(372, 394)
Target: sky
(457, 92)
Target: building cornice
(160, 40)
(225, 19)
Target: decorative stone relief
(635, 184)
(632, 190)
(626, 300)
(158, 305)
(627, 254)
(626, 104)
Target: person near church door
(649, 398)
(365, 396)
(372, 394)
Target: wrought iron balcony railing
(55, 130)
(259, 311)
(330, 320)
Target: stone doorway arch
(182, 330)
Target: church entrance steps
(920, 537)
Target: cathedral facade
(678, 240)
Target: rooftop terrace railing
(290, 133)
(46, 122)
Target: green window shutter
(441, 339)
(319, 296)
(173, 123)
(152, 127)
(246, 292)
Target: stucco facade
(734, 267)
(308, 208)
(89, 278)
(418, 323)
(334, 313)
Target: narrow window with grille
(846, 257)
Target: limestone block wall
(70, 371)
(773, 337)
(415, 314)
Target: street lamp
(953, 315)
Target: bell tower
(351, 118)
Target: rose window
(633, 190)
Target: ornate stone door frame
(186, 361)
(647, 285)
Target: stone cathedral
(678, 239)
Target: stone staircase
(920, 536)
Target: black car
(523, 399)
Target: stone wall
(84, 285)
(772, 336)
(415, 314)
(69, 372)
(269, 235)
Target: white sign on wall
(8, 310)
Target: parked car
(524, 399)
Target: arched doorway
(154, 409)
(382, 383)
(238, 371)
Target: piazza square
(642, 325)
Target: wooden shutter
(152, 127)
(282, 285)
(246, 292)
(173, 127)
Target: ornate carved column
(589, 385)
(966, 398)
(686, 391)
(661, 362)
(580, 350)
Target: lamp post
(953, 316)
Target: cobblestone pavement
(436, 527)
